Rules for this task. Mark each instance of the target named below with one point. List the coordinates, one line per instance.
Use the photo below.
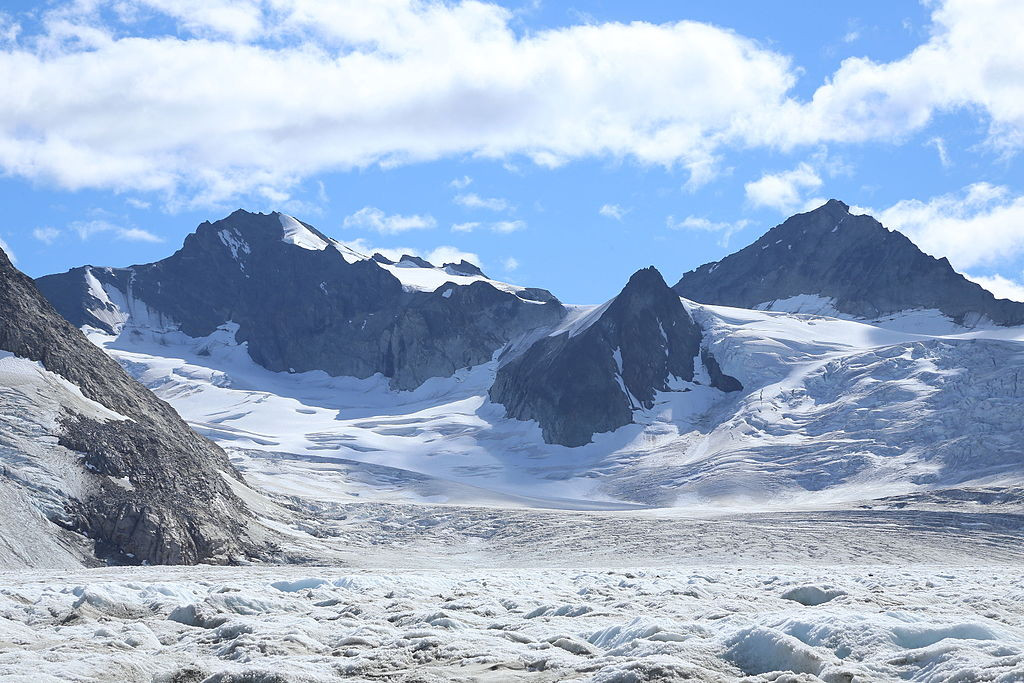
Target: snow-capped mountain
(590, 375)
(302, 301)
(833, 262)
(412, 381)
(94, 465)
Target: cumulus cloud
(88, 229)
(613, 211)
(1002, 287)
(705, 225)
(348, 84)
(461, 183)
(277, 91)
(465, 227)
(475, 201)
(982, 224)
(46, 235)
(437, 256)
(448, 254)
(783, 191)
(372, 218)
(510, 264)
(508, 226)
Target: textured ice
(916, 623)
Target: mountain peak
(834, 262)
(646, 278)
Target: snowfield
(702, 623)
(854, 514)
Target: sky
(559, 145)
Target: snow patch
(298, 234)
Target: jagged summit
(303, 301)
(833, 261)
(463, 267)
(592, 376)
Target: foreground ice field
(789, 534)
(705, 623)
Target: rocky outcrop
(591, 377)
(154, 491)
(303, 302)
(865, 270)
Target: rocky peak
(463, 267)
(591, 377)
(849, 263)
(301, 302)
(414, 261)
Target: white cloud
(236, 19)
(475, 201)
(704, 225)
(461, 183)
(448, 254)
(783, 191)
(437, 256)
(277, 91)
(87, 229)
(7, 250)
(940, 148)
(507, 226)
(1002, 287)
(613, 211)
(372, 218)
(981, 224)
(498, 226)
(973, 60)
(137, 203)
(296, 87)
(46, 235)
(510, 264)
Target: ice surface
(917, 623)
(806, 432)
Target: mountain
(645, 400)
(832, 261)
(591, 377)
(89, 453)
(302, 301)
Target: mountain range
(831, 360)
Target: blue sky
(563, 146)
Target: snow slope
(832, 412)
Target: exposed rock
(865, 270)
(463, 267)
(156, 489)
(591, 377)
(409, 259)
(301, 305)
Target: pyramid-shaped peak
(646, 278)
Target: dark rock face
(463, 268)
(176, 506)
(305, 309)
(590, 380)
(867, 270)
